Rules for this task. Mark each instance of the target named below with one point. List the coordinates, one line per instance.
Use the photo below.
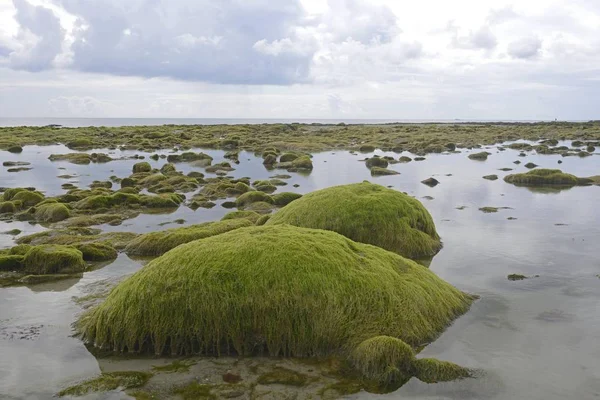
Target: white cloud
(309, 58)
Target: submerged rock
(366, 213)
(431, 182)
(263, 290)
(490, 177)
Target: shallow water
(534, 339)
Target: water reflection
(535, 338)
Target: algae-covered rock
(481, 156)
(490, 177)
(52, 212)
(108, 381)
(376, 162)
(542, 177)
(7, 207)
(431, 182)
(253, 197)
(376, 171)
(302, 163)
(384, 360)
(366, 213)
(157, 243)
(15, 149)
(28, 198)
(430, 370)
(11, 262)
(97, 251)
(263, 219)
(53, 259)
(530, 165)
(141, 167)
(263, 289)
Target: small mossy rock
(366, 148)
(15, 149)
(253, 197)
(530, 165)
(263, 289)
(542, 177)
(11, 262)
(376, 162)
(251, 216)
(53, 259)
(285, 198)
(168, 168)
(288, 157)
(366, 213)
(108, 381)
(10, 193)
(404, 159)
(52, 212)
(384, 360)
(270, 159)
(141, 167)
(28, 198)
(158, 243)
(165, 200)
(302, 163)
(491, 177)
(97, 251)
(127, 182)
(430, 370)
(7, 207)
(376, 171)
(481, 156)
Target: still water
(534, 339)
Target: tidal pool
(536, 338)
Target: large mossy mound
(158, 243)
(543, 177)
(367, 213)
(280, 290)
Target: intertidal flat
(245, 212)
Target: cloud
(40, 37)
(481, 38)
(525, 48)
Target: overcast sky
(423, 59)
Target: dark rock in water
(560, 161)
(516, 277)
(530, 165)
(15, 163)
(490, 177)
(517, 162)
(511, 218)
(383, 171)
(419, 158)
(505, 169)
(430, 182)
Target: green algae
(195, 391)
(285, 198)
(385, 360)
(53, 259)
(52, 212)
(97, 251)
(489, 210)
(516, 277)
(376, 171)
(376, 162)
(11, 262)
(27, 197)
(366, 213)
(142, 167)
(543, 177)
(430, 370)
(246, 292)
(108, 381)
(283, 376)
(251, 216)
(175, 366)
(81, 158)
(481, 156)
(158, 243)
(253, 197)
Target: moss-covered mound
(158, 243)
(383, 359)
(264, 289)
(542, 177)
(97, 251)
(53, 259)
(366, 213)
(52, 212)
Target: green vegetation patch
(251, 216)
(158, 243)
(542, 177)
(52, 212)
(283, 376)
(430, 370)
(108, 381)
(367, 213)
(263, 289)
(97, 251)
(53, 259)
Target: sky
(339, 59)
